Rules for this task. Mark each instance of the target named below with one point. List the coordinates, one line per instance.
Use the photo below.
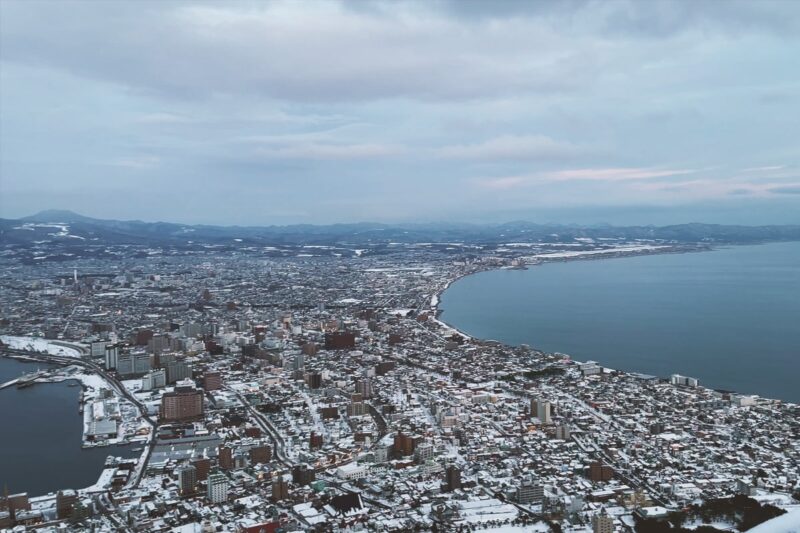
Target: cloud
(140, 162)
(330, 151)
(614, 174)
(512, 147)
(600, 175)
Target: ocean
(40, 448)
(729, 317)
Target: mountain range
(66, 228)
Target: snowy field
(37, 344)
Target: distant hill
(67, 228)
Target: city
(303, 390)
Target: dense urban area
(304, 387)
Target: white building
(351, 471)
(217, 488)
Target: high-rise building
(340, 340)
(602, 523)
(364, 387)
(112, 354)
(541, 410)
(423, 452)
(137, 363)
(280, 490)
(153, 380)
(530, 491)
(65, 501)
(303, 475)
(260, 454)
(177, 371)
(187, 479)
(452, 478)
(212, 381)
(600, 472)
(225, 457)
(217, 488)
(18, 502)
(184, 403)
(202, 467)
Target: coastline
(436, 298)
(90, 385)
(592, 257)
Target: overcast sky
(302, 111)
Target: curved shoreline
(438, 311)
(81, 380)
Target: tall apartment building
(225, 457)
(187, 479)
(452, 478)
(177, 371)
(212, 381)
(541, 410)
(217, 488)
(602, 523)
(184, 403)
(65, 501)
(133, 363)
(530, 491)
(260, 454)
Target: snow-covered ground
(37, 344)
(580, 253)
(787, 523)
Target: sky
(620, 112)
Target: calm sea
(40, 446)
(730, 317)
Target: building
(423, 453)
(112, 354)
(340, 340)
(212, 381)
(314, 380)
(684, 381)
(541, 410)
(202, 467)
(530, 492)
(303, 475)
(129, 364)
(187, 479)
(600, 472)
(364, 388)
(217, 488)
(280, 490)
(177, 371)
(97, 348)
(184, 403)
(404, 445)
(562, 432)
(602, 523)
(357, 409)
(260, 454)
(153, 380)
(452, 478)
(225, 457)
(65, 501)
(351, 471)
(17, 503)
